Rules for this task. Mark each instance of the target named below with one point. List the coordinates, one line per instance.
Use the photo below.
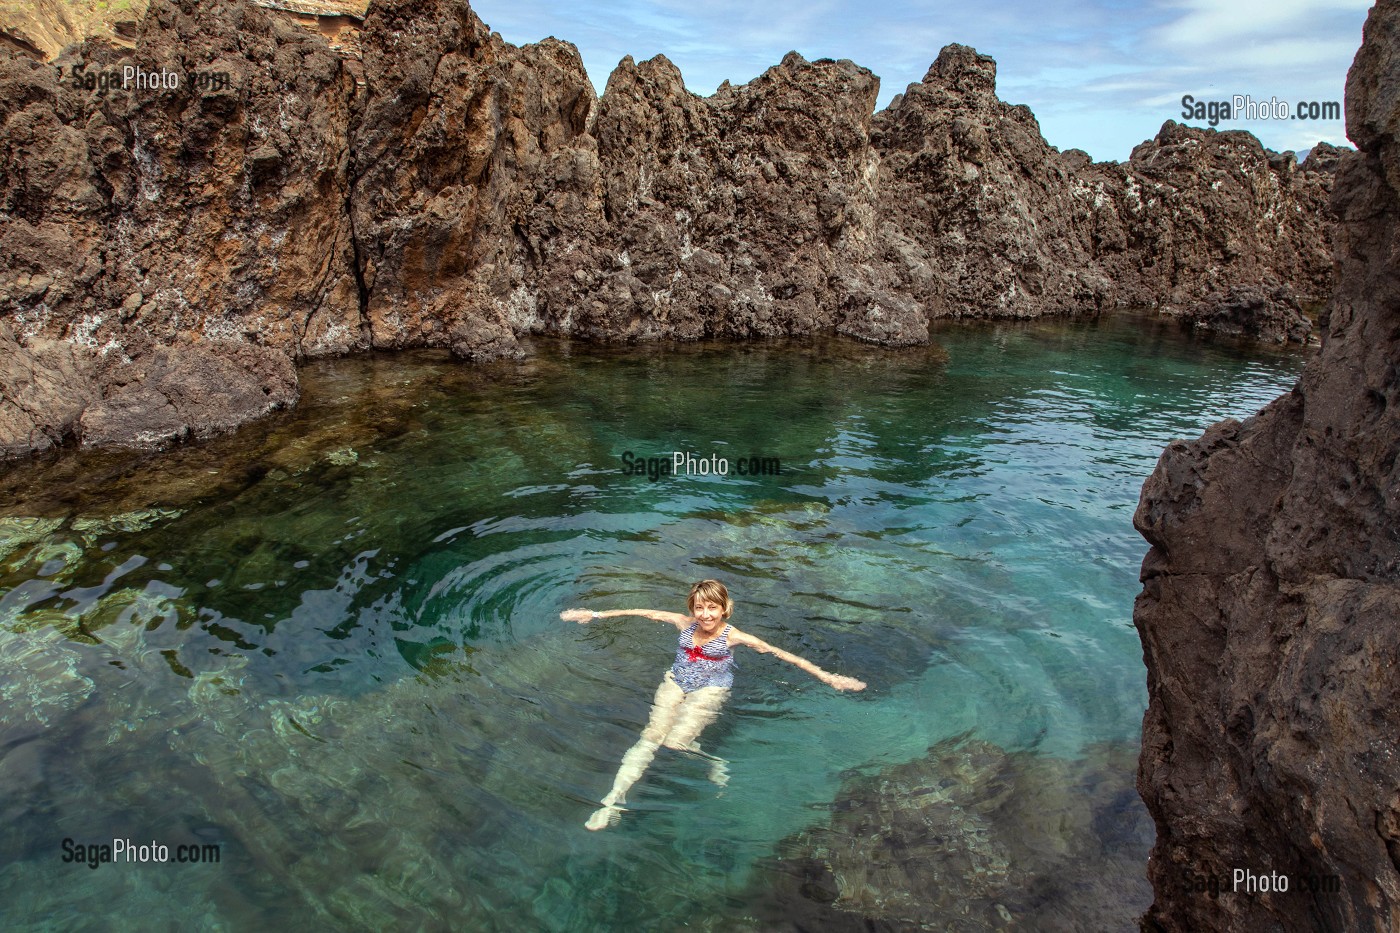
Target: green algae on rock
(42, 681)
(126, 522)
(16, 533)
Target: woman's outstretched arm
(584, 616)
(837, 681)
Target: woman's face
(708, 614)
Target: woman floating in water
(694, 688)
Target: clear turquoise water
(330, 643)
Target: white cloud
(1210, 22)
(1292, 55)
(1299, 136)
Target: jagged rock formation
(1271, 594)
(1197, 211)
(439, 187)
(459, 139)
(136, 220)
(751, 213)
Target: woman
(695, 687)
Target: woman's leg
(669, 698)
(701, 707)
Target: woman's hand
(581, 616)
(841, 682)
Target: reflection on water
(330, 643)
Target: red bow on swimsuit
(698, 654)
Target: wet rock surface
(1252, 312)
(971, 838)
(1270, 597)
(201, 390)
(430, 185)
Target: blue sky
(1100, 75)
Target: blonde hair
(711, 591)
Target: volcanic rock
(44, 388)
(451, 190)
(463, 146)
(983, 218)
(1270, 599)
(1250, 311)
(1196, 211)
(199, 390)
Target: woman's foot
(719, 768)
(604, 817)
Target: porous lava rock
(180, 391)
(430, 185)
(1250, 311)
(981, 216)
(1270, 599)
(465, 150)
(1195, 211)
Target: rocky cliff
(431, 185)
(43, 28)
(1270, 600)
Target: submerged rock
(970, 838)
(23, 531)
(42, 681)
(127, 522)
(1270, 598)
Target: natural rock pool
(330, 644)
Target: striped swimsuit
(710, 665)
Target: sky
(1100, 75)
